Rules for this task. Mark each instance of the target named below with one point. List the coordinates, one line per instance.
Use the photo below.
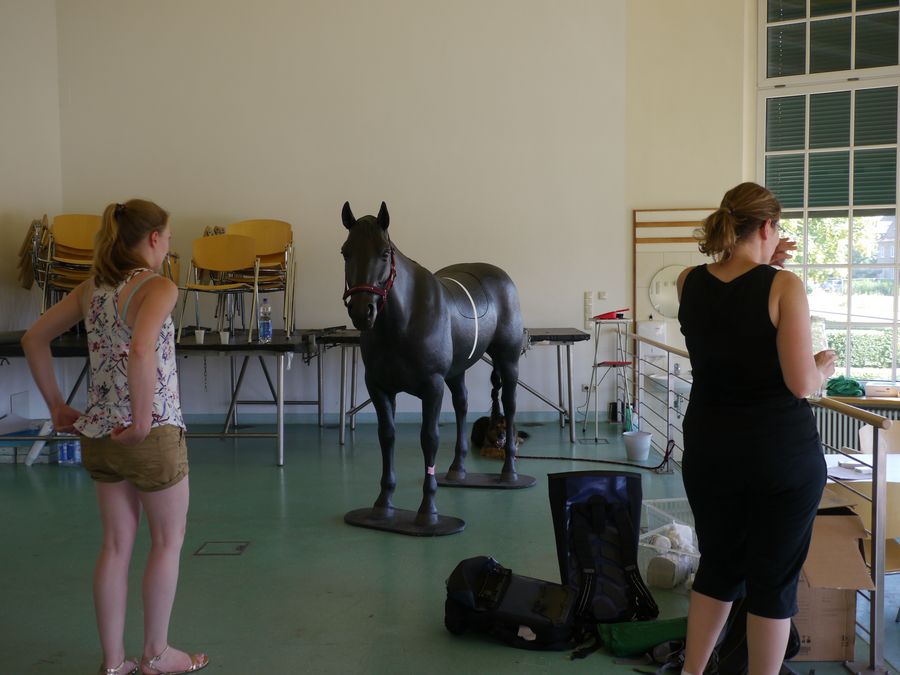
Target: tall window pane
(827, 291)
(862, 5)
(784, 177)
(785, 123)
(829, 45)
(876, 40)
(829, 120)
(874, 235)
(870, 356)
(781, 10)
(787, 50)
(823, 7)
(875, 176)
(872, 296)
(828, 238)
(876, 116)
(829, 179)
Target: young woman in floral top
(132, 433)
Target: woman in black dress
(753, 466)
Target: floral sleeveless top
(109, 341)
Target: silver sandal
(198, 662)
(115, 671)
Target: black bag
(596, 518)
(485, 597)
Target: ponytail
(743, 209)
(122, 228)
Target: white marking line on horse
(474, 312)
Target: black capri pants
(754, 478)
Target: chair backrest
(271, 236)
(75, 230)
(224, 253)
(888, 439)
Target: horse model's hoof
(426, 519)
(456, 474)
(509, 477)
(382, 512)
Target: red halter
(380, 292)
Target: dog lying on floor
(491, 439)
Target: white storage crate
(657, 516)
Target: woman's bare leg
(167, 518)
(706, 618)
(120, 512)
(766, 643)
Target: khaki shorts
(156, 463)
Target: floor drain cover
(222, 548)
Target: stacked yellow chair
(215, 263)
(69, 254)
(274, 246)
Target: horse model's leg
(384, 409)
(432, 397)
(495, 396)
(509, 374)
(457, 387)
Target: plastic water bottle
(76, 452)
(265, 321)
(62, 451)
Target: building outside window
(828, 117)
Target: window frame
(821, 83)
(851, 75)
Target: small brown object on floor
(491, 438)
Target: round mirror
(664, 291)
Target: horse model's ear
(384, 218)
(347, 216)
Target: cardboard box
(834, 570)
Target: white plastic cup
(637, 445)
(199, 335)
(223, 337)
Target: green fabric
(638, 637)
(844, 386)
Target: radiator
(839, 431)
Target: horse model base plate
(404, 522)
(487, 480)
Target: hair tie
(119, 209)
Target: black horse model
(419, 331)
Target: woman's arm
(679, 284)
(36, 345)
(803, 373)
(157, 300)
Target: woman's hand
(782, 252)
(131, 435)
(63, 417)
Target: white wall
(517, 132)
(493, 131)
(30, 183)
(690, 113)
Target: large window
(828, 111)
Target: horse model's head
(369, 267)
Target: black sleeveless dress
(753, 466)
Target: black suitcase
(485, 597)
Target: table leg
(279, 408)
(354, 354)
(571, 412)
(342, 406)
(559, 371)
(320, 369)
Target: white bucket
(637, 445)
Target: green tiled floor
(308, 594)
